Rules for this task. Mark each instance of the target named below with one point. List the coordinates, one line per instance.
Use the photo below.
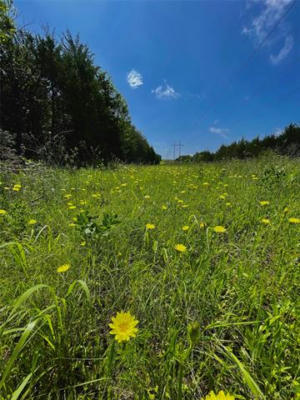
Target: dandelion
(83, 243)
(293, 220)
(220, 396)
(17, 187)
(150, 226)
(264, 203)
(63, 268)
(202, 224)
(3, 212)
(185, 228)
(123, 326)
(265, 221)
(180, 247)
(32, 222)
(219, 229)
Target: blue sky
(200, 72)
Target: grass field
(217, 313)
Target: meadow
(205, 257)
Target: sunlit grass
(186, 250)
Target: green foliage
(287, 143)
(221, 315)
(63, 109)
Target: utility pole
(175, 145)
(179, 146)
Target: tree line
(287, 143)
(57, 105)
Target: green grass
(239, 286)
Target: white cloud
(285, 50)
(134, 79)
(219, 131)
(263, 23)
(165, 91)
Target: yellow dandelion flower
(3, 212)
(293, 220)
(32, 222)
(123, 326)
(264, 203)
(17, 187)
(185, 228)
(83, 243)
(219, 396)
(202, 224)
(265, 221)
(180, 247)
(219, 229)
(63, 268)
(150, 226)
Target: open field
(217, 313)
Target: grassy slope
(240, 286)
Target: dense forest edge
(58, 106)
(287, 143)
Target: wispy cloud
(165, 91)
(285, 50)
(219, 131)
(134, 79)
(271, 11)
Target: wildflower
(72, 207)
(185, 228)
(180, 247)
(63, 268)
(83, 243)
(3, 212)
(150, 226)
(32, 222)
(265, 221)
(123, 326)
(220, 396)
(219, 229)
(163, 207)
(264, 203)
(293, 220)
(17, 187)
(201, 224)
(286, 210)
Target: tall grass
(220, 316)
